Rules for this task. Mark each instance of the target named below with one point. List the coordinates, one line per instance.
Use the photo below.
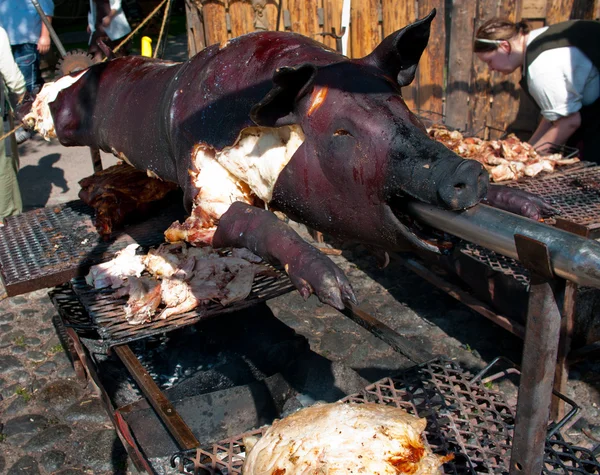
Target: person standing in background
(29, 38)
(12, 78)
(106, 21)
(560, 71)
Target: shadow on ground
(36, 181)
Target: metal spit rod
(572, 257)
(55, 38)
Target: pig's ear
(399, 53)
(279, 106)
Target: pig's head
(365, 154)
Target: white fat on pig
(260, 155)
(40, 118)
(242, 172)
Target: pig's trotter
(265, 235)
(519, 202)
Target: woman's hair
(489, 35)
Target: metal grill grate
(464, 417)
(576, 193)
(48, 246)
(497, 262)
(107, 313)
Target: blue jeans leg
(28, 60)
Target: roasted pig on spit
(180, 279)
(342, 438)
(508, 159)
(119, 192)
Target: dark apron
(585, 36)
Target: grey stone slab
(9, 364)
(102, 451)
(45, 369)
(36, 356)
(59, 394)
(7, 317)
(48, 438)
(88, 410)
(28, 424)
(26, 465)
(52, 460)
(32, 341)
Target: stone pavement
(50, 423)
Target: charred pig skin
(277, 119)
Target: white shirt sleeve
(13, 78)
(558, 79)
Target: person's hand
(89, 30)
(43, 45)
(106, 21)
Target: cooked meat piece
(507, 159)
(341, 438)
(144, 299)
(126, 263)
(119, 192)
(240, 286)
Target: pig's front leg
(518, 202)
(261, 232)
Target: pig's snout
(463, 187)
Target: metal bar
(537, 367)
(561, 375)
(96, 159)
(398, 342)
(572, 257)
(163, 407)
(55, 38)
(462, 296)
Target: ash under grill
(48, 246)
(464, 417)
(84, 307)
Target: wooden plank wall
(451, 83)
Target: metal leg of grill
(539, 361)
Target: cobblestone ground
(50, 422)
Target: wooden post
(195, 28)
(364, 27)
(431, 67)
(304, 17)
(215, 23)
(397, 15)
(332, 18)
(241, 17)
(460, 63)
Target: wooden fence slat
(364, 27)
(215, 25)
(271, 13)
(504, 89)
(460, 61)
(397, 15)
(241, 15)
(479, 108)
(304, 16)
(432, 64)
(332, 18)
(195, 28)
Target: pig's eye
(339, 132)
